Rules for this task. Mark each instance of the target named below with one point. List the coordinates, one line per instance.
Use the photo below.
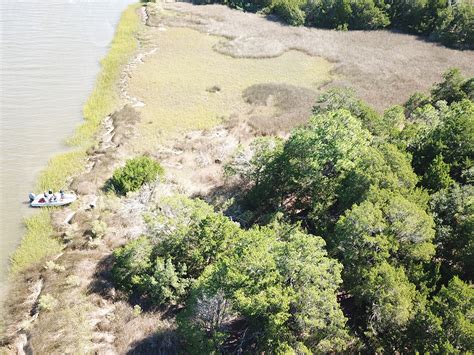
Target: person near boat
(51, 198)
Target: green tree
(289, 11)
(437, 176)
(384, 167)
(184, 237)
(453, 138)
(329, 13)
(453, 209)
(386, 226)
(132, 265)
(282, 282)
(450, 90)
(388, 296)
(454, 25)
(304, 177)
(365, 15)
(454, 305)
(167, 284)
(342, 98)
(384, 243)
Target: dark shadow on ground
(160, 343)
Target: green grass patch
(37, 242)
(59, 169)
(176, 83)
(105, 97)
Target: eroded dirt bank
(190, 111)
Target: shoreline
(62, 167)
(41, 240)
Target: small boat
(51, 199)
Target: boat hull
(41, 201)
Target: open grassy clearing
(187, 85)
(384, 67)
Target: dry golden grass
(384, 67)
(176, 82)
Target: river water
(49, 59)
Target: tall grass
(38, 241)
(105, 96)
(59, 169)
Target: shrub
(453, 88)
(73, 281)
(47, 302)
(51, 265)
(134, 174)
(289, 11)
(366, 16)
(99, 228)
(185, 236)
(137, 310)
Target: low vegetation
(176, 86)
(391, 270)
(105, 97)
(447, 22)
(59, 169)
(401, 64)
(38, 242)
(135, 174)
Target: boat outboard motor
(31, 196)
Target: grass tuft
(59, 169)
(37, 243)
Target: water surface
(49, 58)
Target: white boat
(51, 199)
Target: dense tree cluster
(391, 197)
(276, 281)
(449, 22)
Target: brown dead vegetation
(277, 108)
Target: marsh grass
(176, 81)
(59, 169)
(384, 67)
(39, 241)
(105, 97)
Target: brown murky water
(49, 58)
